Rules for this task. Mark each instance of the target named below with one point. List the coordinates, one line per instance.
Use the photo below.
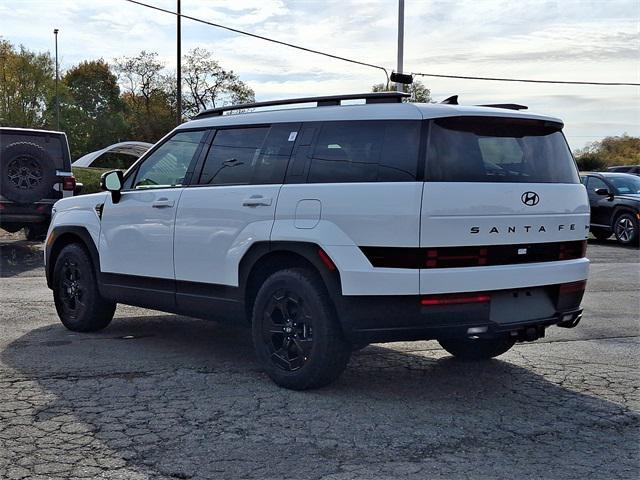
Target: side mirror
(603, 191)
(112, 182)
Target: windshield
(488, 149)
(626, 185)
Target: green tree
(419, 93)
(610, 151)
(149, 98)
(26, 85)
(209, 85)
(91, 110)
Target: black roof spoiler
(453, 100)
(332, 100)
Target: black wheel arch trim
(57, 240)
(307, 250)
(619, 210)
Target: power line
(242, 32)
(497, 79)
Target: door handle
(257, 200)
(162, 203)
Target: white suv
(330, 227)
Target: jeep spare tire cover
(27, 172)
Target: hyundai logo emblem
(530, 198)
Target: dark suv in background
(615, 205)
(632, 169)
(35, 172)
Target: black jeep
(35, 172)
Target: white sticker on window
(292, 136)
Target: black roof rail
(371, 97)
(508, 106)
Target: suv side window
(167, 166)
(249, 155)
(366, 151)
(594, 184)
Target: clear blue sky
(564, 39)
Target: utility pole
(179, 68)
(55, 33)
(400, 86)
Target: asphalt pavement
(158, 396)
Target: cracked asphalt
(158, 396)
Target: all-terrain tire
(36, 231)
(477, 349)
(296, 333)
(78, 302)
(27, 172)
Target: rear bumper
(378, 319)
(11, 213)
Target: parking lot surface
(157, 396)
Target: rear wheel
(477, 349)
(36, 231)
(296, 333)
(625, 229)
(80, 306)
(601, 233)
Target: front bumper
(402, 318)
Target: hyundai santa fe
(329, 227)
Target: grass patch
(89, 177)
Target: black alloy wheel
(288, 330)
(73, 288)
(78, 302)
(25, 172)
(296, 333)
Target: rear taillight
(463, 257)
(572, 250)
(457, 299)
(573, 287)
(69, 183)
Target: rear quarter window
(366, 151)
(488, 149)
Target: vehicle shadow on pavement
(164, 396)
(20, 256)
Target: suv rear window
(486, 149)
(52, 143)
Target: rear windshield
(485, 149)
(53, 144)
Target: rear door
(233, 204)
(498, 181)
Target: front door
(136, 238)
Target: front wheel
(80, 306)
(479, 348)
(625, 229)
(296, 334)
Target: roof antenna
(452, 100)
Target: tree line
(134, 98)
(130, 98)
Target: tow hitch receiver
(529, 334)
